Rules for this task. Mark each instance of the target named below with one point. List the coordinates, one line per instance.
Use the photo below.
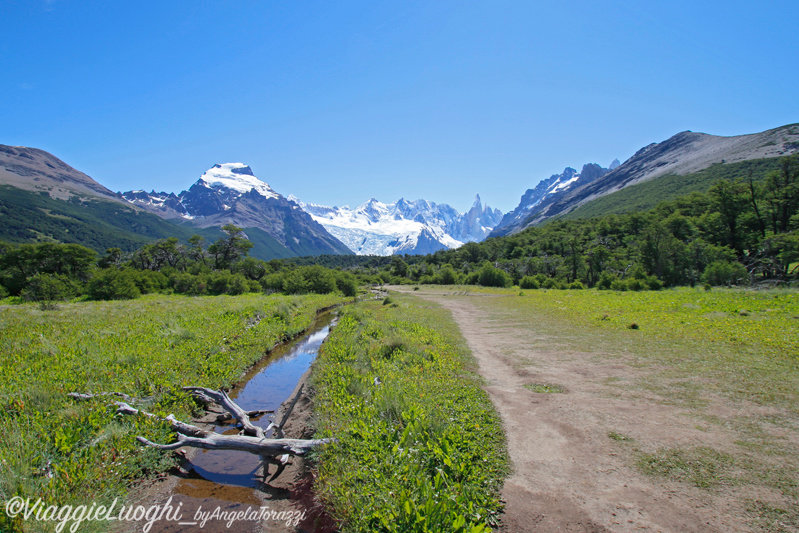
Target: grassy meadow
(419, 445)
(77, 452)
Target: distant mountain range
(44, 199)
(682, 154)
(231, 194)
(404, 227)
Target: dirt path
(569, 473)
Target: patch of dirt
(569, 474)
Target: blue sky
(337, 102)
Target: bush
(3, 292)
(347, 284)
(446, 276)
(606, 280)
(46, 289)
(193, 285)
(724, 273)
(529, 282)
(294, 283)
(576, 285)
(318, 279)
(493, 277)
(150, 281)
(113, 284)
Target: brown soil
(568, 474)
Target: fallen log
(253, 439)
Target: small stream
(232, 480)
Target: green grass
(545, 388)
(144, 348)
(702, 467)
(419, 446)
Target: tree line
(49, 272)
(740, 231)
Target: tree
(228, 250)
(782, 193)
(729, 200)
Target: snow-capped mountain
(547, 190)
(404, 227)
(231, 194)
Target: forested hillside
(742, 230)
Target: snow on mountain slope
(236, 176)
(404, 227)
(231, 194)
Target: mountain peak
(238, 177)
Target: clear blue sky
(336, 102)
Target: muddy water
(232, 481)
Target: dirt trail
(568, 474)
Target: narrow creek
(232, 481)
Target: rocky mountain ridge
(404, 227)
(230, 193)
(681, 154)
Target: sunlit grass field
(77, 452)
(419, 445)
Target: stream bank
(213, 487)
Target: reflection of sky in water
(269, 388)
(273, 385)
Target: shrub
(491, 276)
(318, 279)
(347, 284)
(150, 281)
(294, 283)
(46, 289)
(529, 282)
(724, 273)
(550, 283)
(447, 276)
(606, 279)
(3, 292)
(576, 285)
(113, 284)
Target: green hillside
(645, 196)
(29, 217)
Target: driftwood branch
(225, 417)
(275, 451)
(238, 413)
(89, 395)
(279, 428)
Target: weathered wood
(275, 451)
(89, 395)
(255, 445)
(224, 417)
(279, 427)
(238, 413)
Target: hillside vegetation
(740, 231)
(647, 195)
(49, 273)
